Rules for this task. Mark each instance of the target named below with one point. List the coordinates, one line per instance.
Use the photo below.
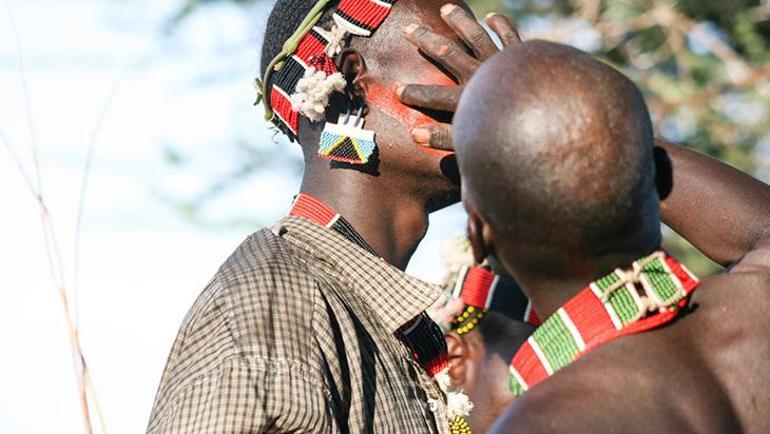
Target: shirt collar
(393, 295)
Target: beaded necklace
(318, 212)
(482, 291)
(605, 310)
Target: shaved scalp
(556, 155)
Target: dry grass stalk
(86, 390)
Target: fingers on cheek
(386, 101)
(434, 136)
(441, 137)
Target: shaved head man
(565, 188)
(574, 175)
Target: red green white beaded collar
(605, 310)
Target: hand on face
(456, 61)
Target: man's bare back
(708, 373)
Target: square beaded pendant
(347, 141)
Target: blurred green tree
(701, 64)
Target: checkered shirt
(295, 333)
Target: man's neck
(549, 293)
(387, 217)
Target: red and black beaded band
(363, 17)
(358, 17)
(318, 212)
(483, 291)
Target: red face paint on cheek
(386, 100)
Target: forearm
(719, 209)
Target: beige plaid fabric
(295, 333)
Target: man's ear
(353, 67)
(480, 236)
(457, 352)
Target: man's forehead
(430, 10)
(428, 13)
(402, 57)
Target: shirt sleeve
(248, 396)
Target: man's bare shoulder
(623, 389)
(731, 329)
(741, 290)
(756, 261)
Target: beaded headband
(482, 291)
(304, 73)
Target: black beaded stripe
(509, 299)
(344, 228)
(316, 34)
(291, 73)
(426, 340)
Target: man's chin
(450, 169)
(437, 152)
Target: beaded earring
(347, 140)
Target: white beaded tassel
(311, 96)
(313, 91)
(458, 403)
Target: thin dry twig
(589, 9)
(53, 253)
(84, 184)
(760, 13)
(78, 226)
(17, 162)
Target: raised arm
(722, 211)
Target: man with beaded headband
(486, 318)
(312, 325)
(574, 211)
